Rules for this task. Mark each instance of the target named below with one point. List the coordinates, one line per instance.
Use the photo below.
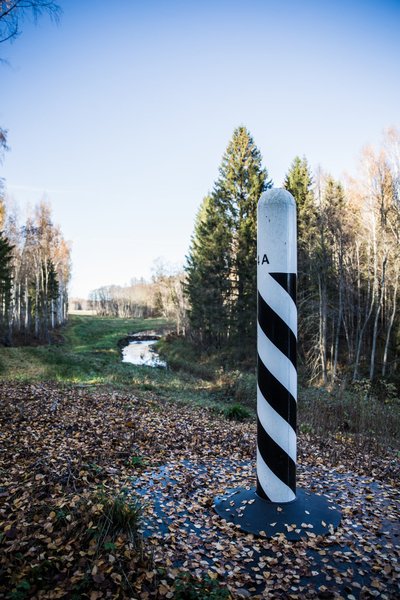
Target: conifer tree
(241, 182)
(208, 268)
(221, 266)
(330, 266)
(299, 183)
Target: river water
(142, 353)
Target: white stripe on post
(271, 291)
(276, 343)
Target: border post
(275, 506)
(276, 346)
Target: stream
(140, 352)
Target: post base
(308, 515)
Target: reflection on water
(141, 353)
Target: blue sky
(120, 115)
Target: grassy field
(367, 414)
(89, 355)
(81, 432)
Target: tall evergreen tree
(330, 265)
(208, 274)
(299, 183)
(242, 179)
(221, 266)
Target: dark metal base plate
(307, 516)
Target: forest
(35, 269)
(348, 267)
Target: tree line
(34, 258)
(348, 262)
(35, 270)
(163, 296)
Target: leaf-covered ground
(76, 462)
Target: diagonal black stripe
(260, 491)
(288, 282)
(276, 394)
(276, 330)
(275, 458)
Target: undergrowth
(115, 515)
(90, 356)
(188, 587)
(350, 411)
(361, 409)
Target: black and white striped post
(276, 345)
(275, 506)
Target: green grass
(188, 587)
(368, 413)
(88, 355)
(118, 514)
(350, 412)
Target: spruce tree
(221, 266)
(328, 269)
(208, 267)
(242, 179)
(299, 183)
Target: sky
(119, 116)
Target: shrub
(115, 515)
(236, 412)
(188, 587)
(354, 410)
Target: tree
(221, 265)
(208, 271)
(5, 288)
(3, 143)
(378, 204)
(168, 291)
(13, 13)
(242, 180)
(39, 262)
(5, 257)
(299, 183)
(328, 274)
(3, 149)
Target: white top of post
(277, 248)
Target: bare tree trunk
(390, 325)
(37, 319)
(45, 287)
(52, 314)
(26, 306)
(322, 328)
(339, 322)
(376, 320)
